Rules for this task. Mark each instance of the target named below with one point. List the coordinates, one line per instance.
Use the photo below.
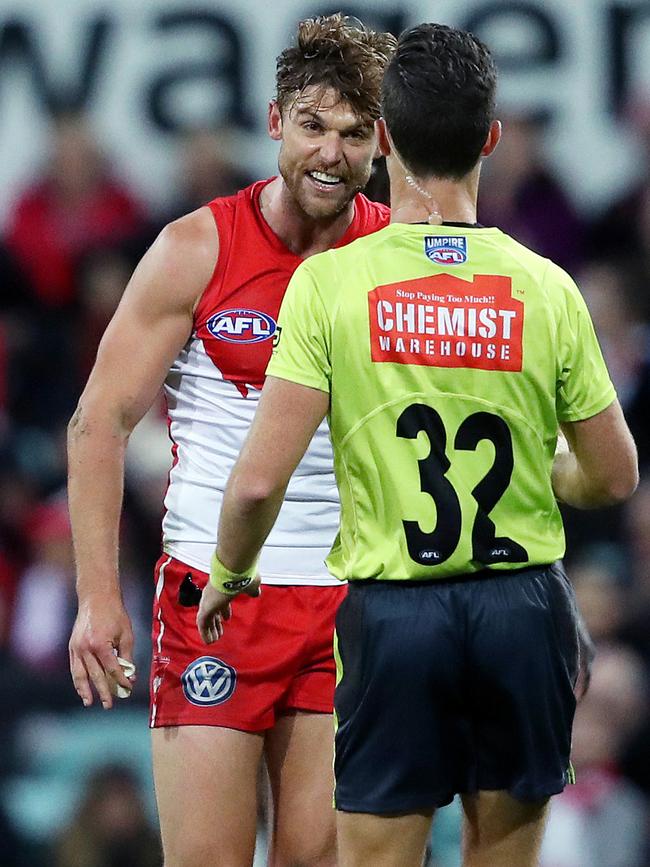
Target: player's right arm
(599, 467)
(150, 327)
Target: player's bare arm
(599, 467)
(151, 325)
(286, 419)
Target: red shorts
(275, 655)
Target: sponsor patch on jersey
(208, 681)
(445, 321)
(446, 249)
(241, 325)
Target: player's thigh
(299, 752)
(206, 788)
(501, 830)
(383, 841)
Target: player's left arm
(286, 420)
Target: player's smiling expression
(326, 152)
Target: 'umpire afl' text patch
(208, 681)
(446, 249)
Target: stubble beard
(313, 208)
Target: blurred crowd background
(75, 786)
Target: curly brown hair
(336, 51)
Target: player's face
(326, 152)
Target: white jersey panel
(208, 422)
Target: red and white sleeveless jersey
(212, 392)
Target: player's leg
(206, 788)
(299, 748)
(500, 830)
(383, 841)
(210, 707)
(299, 760)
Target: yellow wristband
(227, 582)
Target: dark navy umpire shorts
(456, 686)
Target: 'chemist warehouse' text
(444, 321)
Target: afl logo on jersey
(208, 681)
(446, 249)
(241, 325)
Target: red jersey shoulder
(236, 318)
(252, 269)
(224, 207)
(371, 216)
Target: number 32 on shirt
(434, 548)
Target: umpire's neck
(416, 199)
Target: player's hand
(101, 633)
(215, 609)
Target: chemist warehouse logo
(241, 325)
(444, 321)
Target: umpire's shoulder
(331, 269)
(550, 277)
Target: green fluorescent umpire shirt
(450, 355)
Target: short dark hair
(438, 100)
(339, 52)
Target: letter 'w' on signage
(445, 321)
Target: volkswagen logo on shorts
(208, 681)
